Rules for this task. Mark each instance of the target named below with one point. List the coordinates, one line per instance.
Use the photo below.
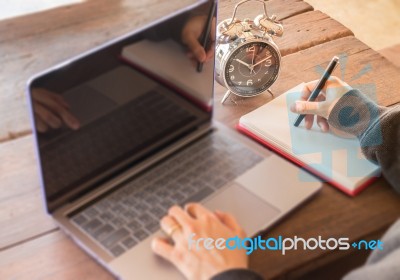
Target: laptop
(143, 145)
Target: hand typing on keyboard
(195, 221)
(51, 111)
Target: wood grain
(309, 29)
(53, 256)
(281, 8)
(392, 54)
(22, 214)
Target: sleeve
(376, 127)
(238, 274)
(382, 264)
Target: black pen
(320, 85)
(206, 32)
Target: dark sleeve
(376, 127)
(237, 274)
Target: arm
(378, 130)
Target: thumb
(305, 107)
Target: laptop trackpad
(252, 213)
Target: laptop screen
(109, 110)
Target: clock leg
(270, 92)
(227, 94)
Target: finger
(230, 221)
(194, 46)
(51, 101)
(305, 107)
(170, 226)
(162, 248)
(197, 210)
(307, 89)
(323, 124)
(181, 216)
(40, 125)
(308, 121)
(70, 120)
(46, 116)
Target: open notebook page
(337, 158)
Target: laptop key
(140, 234)
(153, 226)
(92, 225)
(117, 250)
(134, 225)
(80, 219)
(115, 237)
(103, 232)
(199, 196)
(129, 242)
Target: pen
(206, 32)
(320, 85)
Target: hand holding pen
(321, 108)
(198, 35)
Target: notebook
(338, 161)
(167, 60)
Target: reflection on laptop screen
(106, 112)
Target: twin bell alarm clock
(247, 61)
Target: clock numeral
(249, 82)
(232, 77)
(268, 62)
(239, 83)
(251, 49)
(266, 72)
(231, 68)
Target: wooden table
(33, 247)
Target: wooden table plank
(309, 29)
(22, 214)
(53, 256)
(301, 66)
(281, 8)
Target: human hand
(199, 263)
(190, 35)
(51, 111)
(333, 90)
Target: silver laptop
(144, 144)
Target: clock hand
(244, 63)
(252, 61)
(261, 61)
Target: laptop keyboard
(127, 216)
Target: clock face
(252, 68)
